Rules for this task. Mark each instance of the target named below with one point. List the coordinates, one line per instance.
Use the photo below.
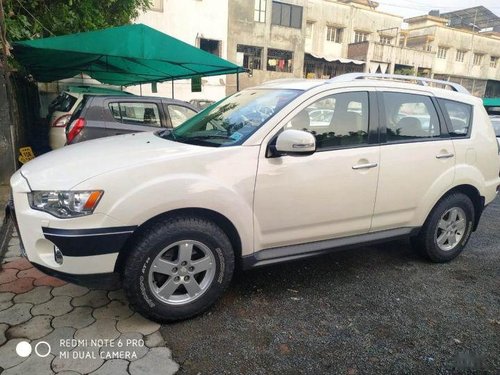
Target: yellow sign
(26, 154)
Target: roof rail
(349, 77)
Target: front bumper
(89, 244)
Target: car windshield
(233, 119)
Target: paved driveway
(372, 310)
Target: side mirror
(296, 142)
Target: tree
(31, 19)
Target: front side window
(339, 120)
(146, 114)
(279, 60)
(231, 121)
(410, 117)
(179, 114)
(459, 116)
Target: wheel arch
(222, 221)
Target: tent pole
(172, 89)
(238, 81)
(140, 88)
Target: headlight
(65, 204)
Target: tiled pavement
(81, 330)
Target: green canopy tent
(123, 56)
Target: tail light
(61, 121)
(74, 129)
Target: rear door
(417, 159)
(132, 116)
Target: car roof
(374, 81)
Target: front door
(328, 194)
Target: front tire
(447, 229)
(178, 269)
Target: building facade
(321, 39)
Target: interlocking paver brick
(8, 355)
(34, 328)
(49, 281)
(32, 365)
(118, 294)
(100, 329)
(86, 361)
(80, 317)
(31, 272)
(132, 348)
(20, 264)
(71, 290)
(94, 298)
(4, 297)
(18, 286)
(37, 295)
(137, 323)
(3, 328)
(8, 275)
(17, 314)
(114, 310)
(155, 339)
(54, 340)
(5, 305)
(157, 361)
(112, 367)
(56, 306)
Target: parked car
(63, 106)
(102, 116)
(201, 103)
(252, 181)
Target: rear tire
(447, 229)
(178, 269)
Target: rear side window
(146, 114)
(178, 114)
(459, 116)
(410, 117)
(63, 103)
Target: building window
(360, 36)
(260, 11)
(442, 52)
(385, 39)
(279, 60)
(493, 61)
(334, 34)
(210, 46)
(156, 5)
(478, 59)
(309, 30)
(460, 56)
(251, 56)
(287, 15)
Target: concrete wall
(244, 30)
(351, 17)
(188, 21)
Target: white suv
(256, 179)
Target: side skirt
(293, 252)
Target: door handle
(445, 156)
(365, 166)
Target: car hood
(67, 167)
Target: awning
(124, 55)
(339, 59)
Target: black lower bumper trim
(88, 242)
(109, 280)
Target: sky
(414, 8)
